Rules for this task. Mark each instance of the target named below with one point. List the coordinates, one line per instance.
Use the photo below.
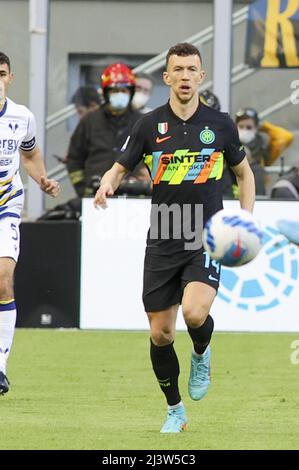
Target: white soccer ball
(232, 237)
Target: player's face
(184, 75)
(5, 78)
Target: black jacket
(95, 145)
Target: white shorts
(9, 237)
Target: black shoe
(4, 383)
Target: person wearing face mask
(97, 141)
(255, 140)
(256, 144)
(264, 143)
(143, 92)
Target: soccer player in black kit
(183, 144)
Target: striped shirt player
(17, 131)
(17, 139)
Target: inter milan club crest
(163, 127)
(207, 136)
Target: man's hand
(100, 199)
(50, 187)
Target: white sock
(8, 316)
(174, 407)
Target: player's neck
(183, 110)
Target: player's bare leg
(196, 304)
(166, 366)
(7, 317)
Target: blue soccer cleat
(200, 377)
(4, 383)
(290, 229)
(176, 420)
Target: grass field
(96, 390)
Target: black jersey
(185, 159)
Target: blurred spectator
(86, 99)
(263, 143)
(287, 187)
(280, 139)
(143, 92)
(256, 145)
(208, 98)
(100, 135)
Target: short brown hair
(4, 59)
(183, 49)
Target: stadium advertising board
(260, 296)
(272, 34)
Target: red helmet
(118, 75)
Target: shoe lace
(200, 370)
(175, 413)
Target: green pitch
(96, 390)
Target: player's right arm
(109, 184)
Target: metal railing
(60, 116)
(239, 72)
(198, 39)
(157, 62)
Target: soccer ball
(232, 237)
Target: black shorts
(166, 276)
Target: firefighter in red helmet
(97, 141)
(118, 85)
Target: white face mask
(140, 99)
(119, 100)
(246, 135)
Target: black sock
(202, 336)
(166, 367)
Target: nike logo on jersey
(162, 139)
(212, 278)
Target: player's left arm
(34, 165)
(246, 184)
